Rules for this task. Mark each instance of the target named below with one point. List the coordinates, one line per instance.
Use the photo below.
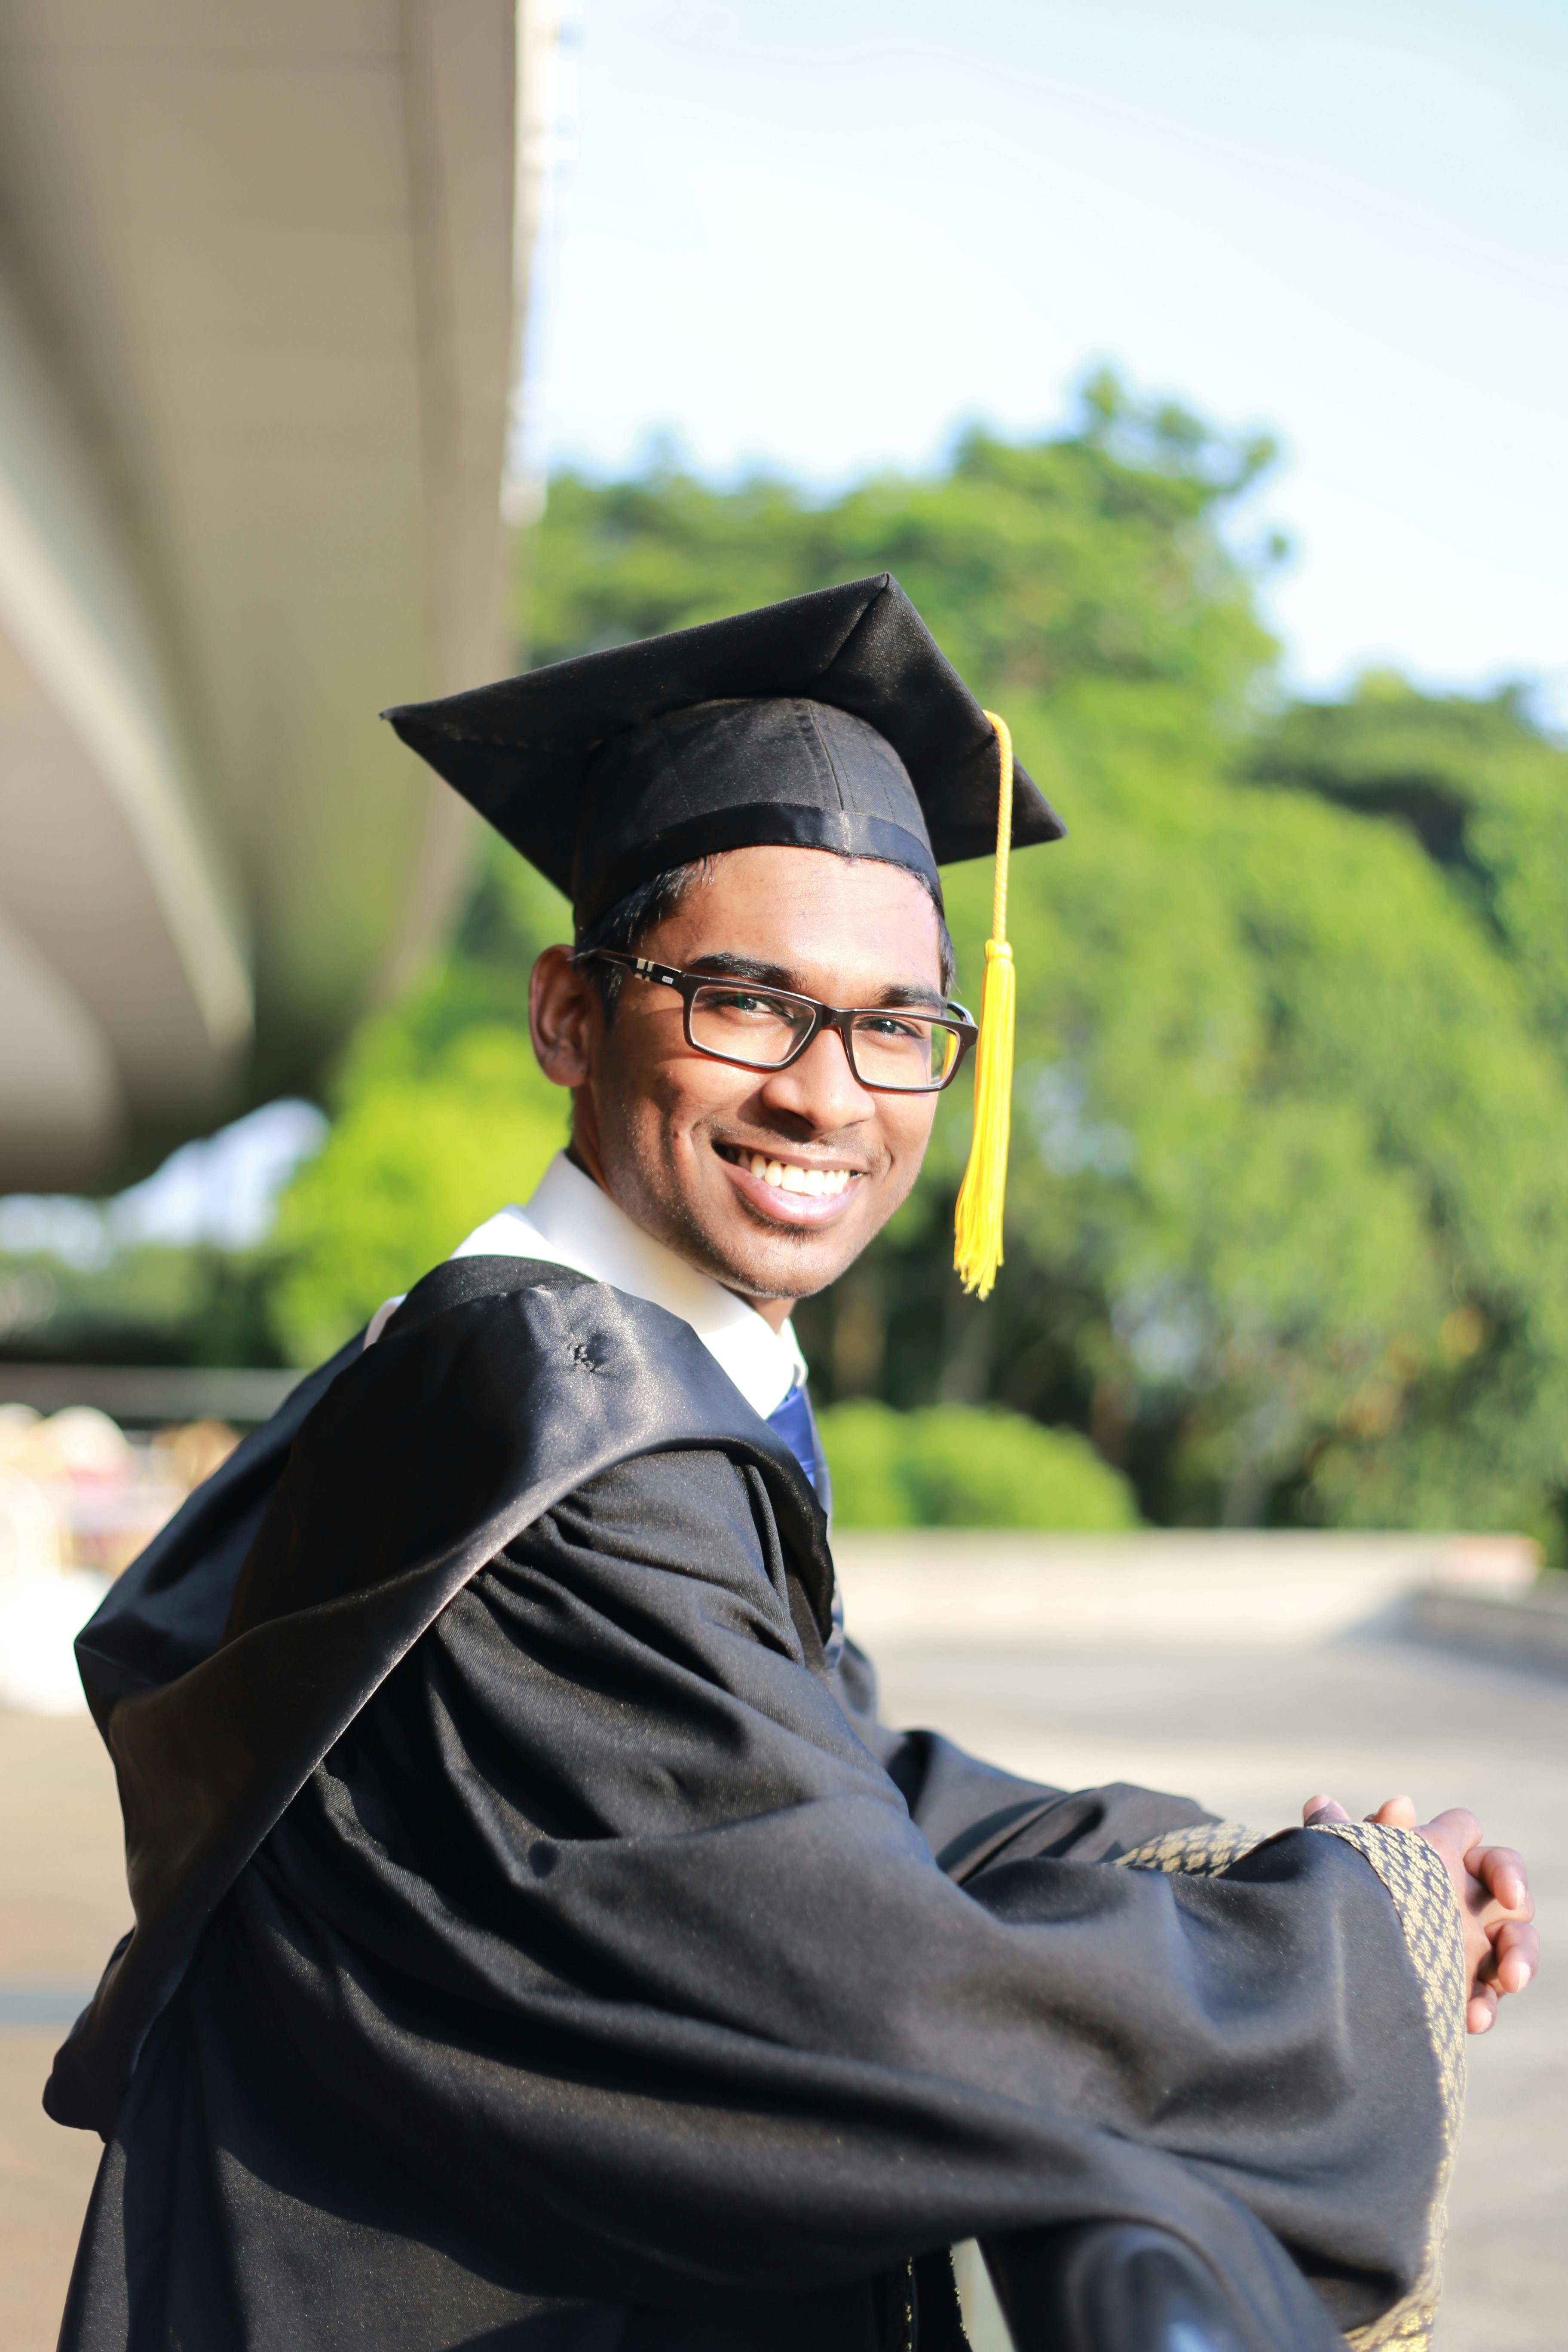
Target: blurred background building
(262, 286)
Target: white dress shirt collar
(568, 1221)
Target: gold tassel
(982, 1195)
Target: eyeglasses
(891, 1049)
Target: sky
(820, 236)
(222, 1189)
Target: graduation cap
(831, 721)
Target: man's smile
(799, 1190)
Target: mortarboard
(830, 721)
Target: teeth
(819, 1182)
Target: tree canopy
(1287, 1234)
(1287, 1239)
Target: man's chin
(786, 1263)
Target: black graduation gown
(536, 1945)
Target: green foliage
(1087, 558)
(1287, 1234)
(443, 1116)
(959, 1466)
(1263, 1067)
(419, 1155)
(1478, 786)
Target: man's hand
(1502, 1950)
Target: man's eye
(744, 1004)
(887, 1027)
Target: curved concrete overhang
(258, 326)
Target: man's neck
(775, 1312)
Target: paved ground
(1250, 1733)
(62, 1906)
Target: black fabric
(831, 721)
(517, 1393)
(596, 1985)
(1110, 2287)
(731, 775)
(166, 1613)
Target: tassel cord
(981, 1198)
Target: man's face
(673, 1136)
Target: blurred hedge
(966, 1466)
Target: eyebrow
(777, 975)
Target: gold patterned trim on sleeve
(1202, 1851)
(1428, 1917)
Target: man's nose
(820, 1087)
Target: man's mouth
(796, 1192)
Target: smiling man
(539, 1941)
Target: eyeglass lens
(902, 1051)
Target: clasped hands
(1502, 1950)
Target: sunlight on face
(771, 1181)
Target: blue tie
(794, 1421)
(796, 1424)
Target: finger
(1395, 1813)
(1323, 1808)
(1480, 2011)
(1457, 1828)
(1515, 1957)
(1503, 1874)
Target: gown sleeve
(971, 1813)
(1428, 1917)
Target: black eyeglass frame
(953, 1017)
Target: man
(539, 1942)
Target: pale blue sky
(821, 234)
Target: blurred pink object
(1512, 1561)
(82, 1495)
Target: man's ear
(565, 1018)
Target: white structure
(258, 326)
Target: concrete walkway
(1249, 1729)
(62, 1908)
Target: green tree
(1476, 782)
(1286, 1238)
(442, 1116)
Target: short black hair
(628, 923)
